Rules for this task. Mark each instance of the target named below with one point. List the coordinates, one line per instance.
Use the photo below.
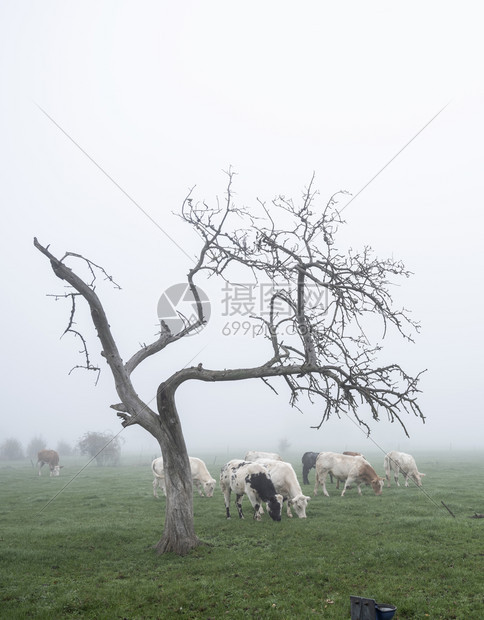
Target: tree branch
(137, 411)
(327, 294)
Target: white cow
(286, 483)
(51, 457)
(400, 462)
(352, 469)
(251, 479)
(200, 476)
(253, 455)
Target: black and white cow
(251, 479)
(253, 455)
(286, 483)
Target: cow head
(377, 485)
(209, 487)
(274, 506)
(418, 478)
(299, 504)
(55, 471)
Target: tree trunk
(179, 534)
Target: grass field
(86, 552)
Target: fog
(112, 111)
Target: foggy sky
(163, 96)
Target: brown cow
(51, 457)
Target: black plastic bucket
(384, 611)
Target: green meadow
(80, 546)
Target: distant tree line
(105, 448)
(11, 449)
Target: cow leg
(321, 480)
(316, 483)
(256, 502)
(305, 474)
(348, 483)
(226, 492)
(258, 510)
(199, 487)
(161, 484)
(238, 503)
(406, 479)
(289, 513)
(395, 476)
(324, 476)
(40, 465)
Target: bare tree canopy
(318, 346)
(330, 355)
(104, 447)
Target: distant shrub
(64, 449)
(11, 450)
(283, 445)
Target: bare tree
(317, 347)
(104, 447)
(36, 444)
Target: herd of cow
(265, 478)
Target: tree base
(180, 547)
